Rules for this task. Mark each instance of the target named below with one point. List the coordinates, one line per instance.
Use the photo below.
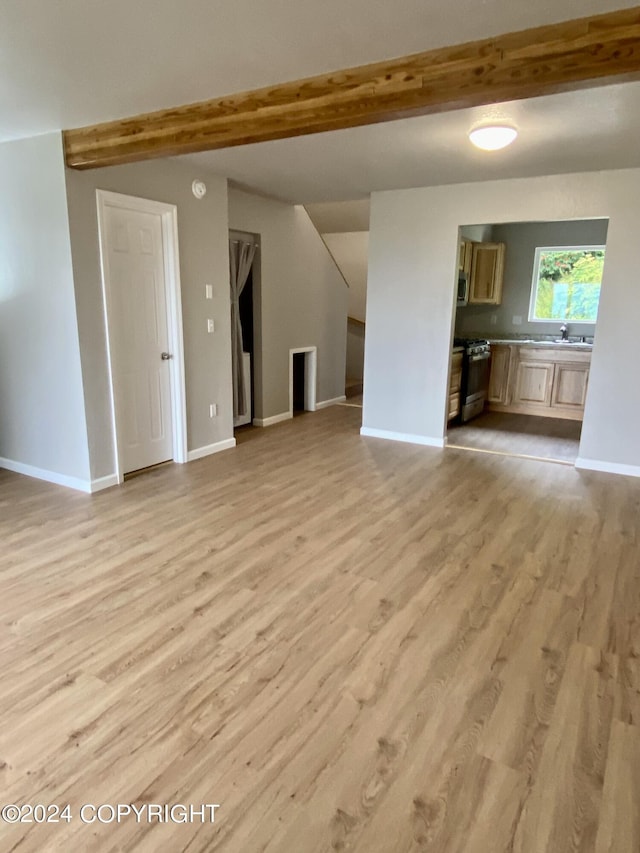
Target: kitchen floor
(519, 435)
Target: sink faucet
(564, 331)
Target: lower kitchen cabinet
(499, 376)
(454, 406)
(455, 382)
(545, 381)
(533, 384)
(570, 386)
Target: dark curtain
(241, 257)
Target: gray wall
(350, 252)
(410, 302)
(203, 239)
(521, 241)
(42, 422)
(303, 298)
(355, 351)
(332, 217)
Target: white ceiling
(581, 131)
(66, 63)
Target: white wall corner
(407, 438)
(48, 476)
(104, 483)
(607, 467)
(324, 404)
(274, 419)
(208, 449)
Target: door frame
(169, 219)
(310, 377)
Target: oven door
(476, 385)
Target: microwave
(463, 288)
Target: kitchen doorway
(527, 297)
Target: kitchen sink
(555, 343)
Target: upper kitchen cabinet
(487, 273)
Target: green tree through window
(567, 284)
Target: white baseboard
(274, 419)
(48, 476)
(324, 404)
(608, 467)
(402, 436)
(199, 452)
(104, 483)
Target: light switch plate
(516, 320)
(213, 410)
(210, 326)
(208, 291)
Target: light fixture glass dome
(492, 137)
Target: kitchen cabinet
(533, 383)
(465, 255)
(570, 386)
(499, 376)
(455, 383)
(542, 380)
(487, 273)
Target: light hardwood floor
(347, 643)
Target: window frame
(536, 275)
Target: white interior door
(139, 337)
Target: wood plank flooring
(525, 435)
(347, 643)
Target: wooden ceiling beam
(546, 60)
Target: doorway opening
(138, 241)
(298, 383)
(527, 297)
(302, 380)
(246, 245)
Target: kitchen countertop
(574, 345)
(457, 349)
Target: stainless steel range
(475, 376)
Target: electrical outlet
(494, 319)
(213, 410)
(208, 291)
(210, 326)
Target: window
(566, 284)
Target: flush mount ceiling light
(492, 137)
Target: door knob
(166, 356)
